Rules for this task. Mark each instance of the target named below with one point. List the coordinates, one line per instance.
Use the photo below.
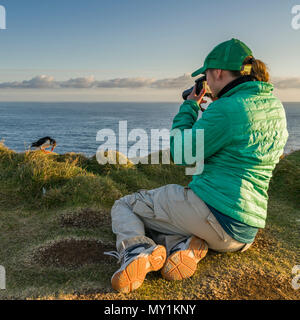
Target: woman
(223, 207)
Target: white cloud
(39, 82)
(174, 83)
(88, 82)
(125, 83)
(286, 83)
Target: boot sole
(183, 264)
(133, 275)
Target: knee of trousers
(127, 200)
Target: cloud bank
(287, 83)
(184, 81)
(44, 82)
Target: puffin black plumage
(44, 143)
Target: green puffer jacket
(244, 137)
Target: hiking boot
(137, 261)
(183, 259)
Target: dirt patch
(86, 218)
(264, 241)
(258, 285)
(245, 279)
(248, 283)
(73, 253)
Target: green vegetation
(55, 225)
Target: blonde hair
(258, 68)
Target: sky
(137, 50)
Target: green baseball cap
(228, 55)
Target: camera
(200, 83)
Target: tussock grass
(56, 207)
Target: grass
(55, 226)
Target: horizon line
(73, 101)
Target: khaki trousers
(168, 215)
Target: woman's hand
(198, 98)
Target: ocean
(75, 125)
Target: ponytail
(255, 68)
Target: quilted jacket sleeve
(214, 123)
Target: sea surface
(75, 125)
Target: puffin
(44, 143)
